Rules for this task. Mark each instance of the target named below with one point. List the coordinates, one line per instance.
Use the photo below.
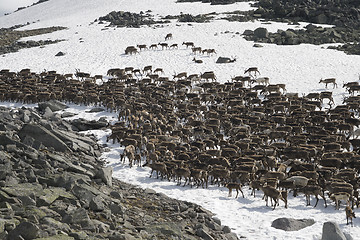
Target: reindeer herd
(196, 131)
(131, 50)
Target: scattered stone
(96, 110)
(261, 33)
(85, 125)
(59, 54)
(54, 105)
(9, 38)
(204, 234)
(25, 230)
(290, 224)
(224, 60)
(43, 136)
(348, 236)
(105, 174)
(332, 231)
(128, 19)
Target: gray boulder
(59, 54)
(105, 174)
(97, 204)
(248, 32)
(84, 125)
(321, 19)
(291, 224)
(96, 110)
(223, 60)
(332, 231)
(54, 105)
(44, 136)
(24, 230)
(261, 33)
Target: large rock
(44, 136)
(332, 231)
(24, 230)
(261, 33)
(75, 142)
(321, 19)
(54, 105)
(105, 174)
(84, 125)
(290, 224)
(223, 60)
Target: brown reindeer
(349, 215)
(168, 36)
(188, 44)
(235, 186)
(252, 70)
(329, 80)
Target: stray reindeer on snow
(349, 214)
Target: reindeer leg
(317, 199)
(323, 196)
(186, 180)
(275, 202)
(242, 193)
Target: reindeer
(131, 50)
(153, 46)
(252, 70)
(168, 36)
(180, 75)
(197, 60)
(327, 95)
(349, 214)
(328, 80)
(208, 51)
(142, 46)
(174, 46)
(81, 75)
(353, 89)
(158, 70)
(188, 44)
(274, 194)
(164, 46)
(208, 75)
(340, 196)
(236, 186)
(196, 49)
(147, 69)
(262, 80)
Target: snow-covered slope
(92, 49)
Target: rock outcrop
(59, 191)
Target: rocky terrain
(343, 15)
(9, 38)
(54, 186)
(312, 35)
(128, 19)
(214, 2)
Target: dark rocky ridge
(69, 194)
(9, 38)
(312, 35)
(128, 19)
(200, 18)
(38, 2)
(214, 2)
(344, 15)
